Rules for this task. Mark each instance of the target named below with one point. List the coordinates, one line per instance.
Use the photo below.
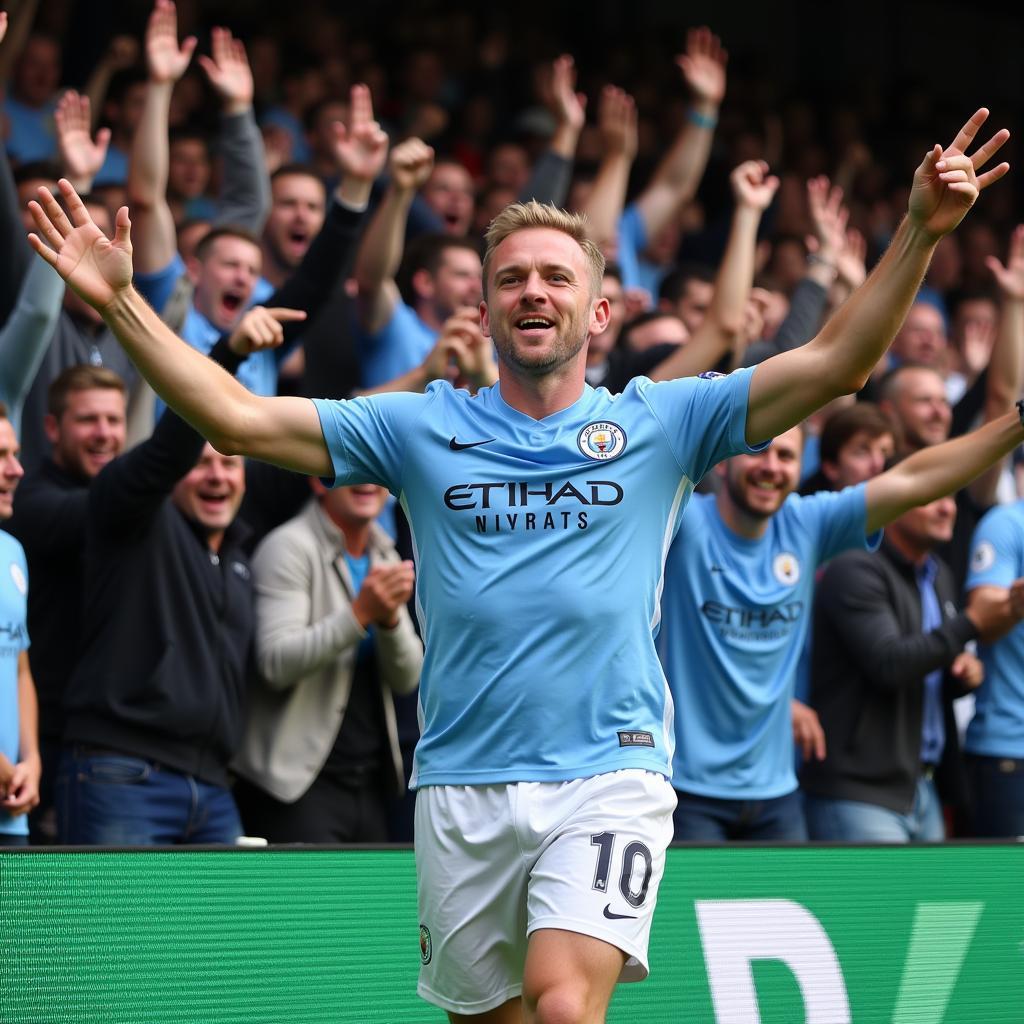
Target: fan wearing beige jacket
(334, 642)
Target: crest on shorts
(19, 579)
(983, 557)
(426, 946)
(786, 568)
(602, 440)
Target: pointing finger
(285, 315)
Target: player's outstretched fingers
(986, 179)
(54, 239)
(966, 134)
(79, 214)
(54, 212)
(985, 153)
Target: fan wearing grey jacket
(334, 642)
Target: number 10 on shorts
(637, 867)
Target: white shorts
(496, 863)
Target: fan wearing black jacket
(154, 707)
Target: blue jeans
(109, 799)
(707, 819)
(857, 822)
(997, 792)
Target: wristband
(814, 260)
(701, 120)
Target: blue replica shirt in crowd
(398, 347)
(637, 272)
(997, 559)
(31, 131)
(540, 546)
(13, 640)
(258, 373)
(734, 616)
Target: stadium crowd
(202, 647)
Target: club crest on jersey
(984, 557)
(19, 579)
(602, 440)
(786, 568)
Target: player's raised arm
(790, 386)
(285, 431)
(940, 469)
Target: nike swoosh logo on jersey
(458, 446)
(612, 916)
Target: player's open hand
(166, 60)
(947, 183)
(95, 267)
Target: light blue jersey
(735, 614)
(540, 547)
(997, 559)
(13, 640)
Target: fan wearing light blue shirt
(739, 583)
(995, 736)
(546, 547)
(20, 765)
(441, 275)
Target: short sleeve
(838, 519)
(996, 550)
(704, 417)
(367, 437)
(157, 286)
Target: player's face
(211, 492)
(357, 505)
(297, 214)
(226, 277)
(10, 468)
(922, 408)
(860, 459)
(759, 484)
(90, 432)
(539, 309)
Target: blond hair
(523, 216)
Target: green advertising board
(776, 935)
